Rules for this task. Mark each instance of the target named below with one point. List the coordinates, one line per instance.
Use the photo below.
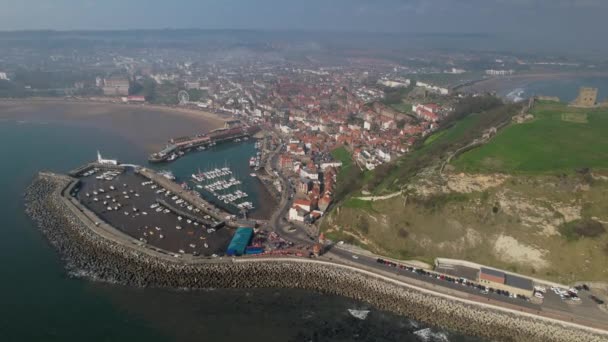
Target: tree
(135, 88)
(149, 90)
(400, 123)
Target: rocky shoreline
(87, 254)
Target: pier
(179, 146)
(189, 196)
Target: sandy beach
(145, 125)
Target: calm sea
(566, 89)
(40, 302)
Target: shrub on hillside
(582, 228)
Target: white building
(297, 214)
(332, 164)
(455, 71)
(436, 89)
(493, 72)
(101, 160)
(204, 104)
(383, 155)
(305, 173)
(394, 84)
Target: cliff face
(539, 225)
(86, 254)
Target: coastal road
(586, 312)
(370, 263)
(277, 221)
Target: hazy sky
(543, 17)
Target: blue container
(254, 250)
(242, 237)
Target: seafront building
(507, 282)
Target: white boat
(199, 177)
(253, 174)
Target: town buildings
(116, 86)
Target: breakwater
(85, 252)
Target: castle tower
(587, 97)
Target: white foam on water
(428, 335)
(516, 95)
(359, 314)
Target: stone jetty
(87, 253)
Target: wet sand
(145, 125)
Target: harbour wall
(87, 253)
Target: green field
(559, 139)
(342, 154)
(402, 107)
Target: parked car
(596, 300)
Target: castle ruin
(587, 97)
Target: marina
(151, 213)
(223, 187)
(222, 175)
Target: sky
(544, 18)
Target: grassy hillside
(454, 134)
(558, 139)
(523, 202)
